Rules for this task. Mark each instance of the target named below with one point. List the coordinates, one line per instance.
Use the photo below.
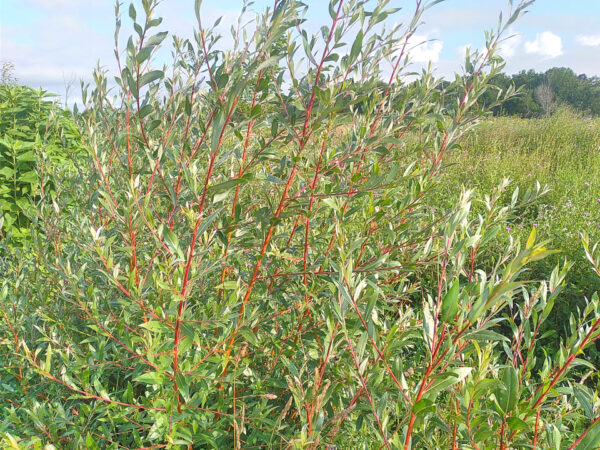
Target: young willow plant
(249, 267)
(36, 137)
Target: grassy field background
(561, 151)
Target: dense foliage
(274, 275)
(36, 138)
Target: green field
(562, 153)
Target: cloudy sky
(54, 43)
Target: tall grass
(560, 151)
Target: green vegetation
(562, 153)
(36, 139)
(542, 93)
(245, 249)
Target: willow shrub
(252, 265)
(37, 139)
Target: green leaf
(145, 110)
(424, 406)
(48, 362)
(157, 38)
(249, 335)
(591, 441)
(450, 303)
(6, 172)
(206, 222)
(508, 391)
(29, 177)
(447, 379)
(90, 443)
(585, 399)
(154, 325)
(144, 54)
(225, 186)
(271, 61)
(132, 13)
(26, 157)
(428, 325)
(356, 46)
(256, 111)
(151, 76)
(217, 129)
(171, 240)
(486, 335)
(531, 239)
(274, 179)
(150, 378)
(12, 441)
(517, 424)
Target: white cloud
(424, 49)
(590, 40)
(52, 52)
(546, 44)
(509, 45)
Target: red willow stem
(559, 373)
(584, 434)
(301, 145)
(535, 431)
(567, 363)
(435, 347)
(364, 386)
(183, 292)
(307, 231)
(199, 141)
(379, 353)
(240, 172)
(436, 161)
(197, 145)
(455, 428)
(313, 195)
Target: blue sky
(54, 43)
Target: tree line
(542, 92)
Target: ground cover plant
(254, 263)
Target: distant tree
(7, 73)
(545, 97)
(541, 92)
(566, 86)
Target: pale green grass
(562, 152)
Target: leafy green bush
(35, 140)
(248, 280)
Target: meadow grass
(561, 151)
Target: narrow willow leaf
(150, 378)
(507, 393)
(591, 441)
(151, 76)
(450, 302)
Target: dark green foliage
(36, 137)
(566, 88)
